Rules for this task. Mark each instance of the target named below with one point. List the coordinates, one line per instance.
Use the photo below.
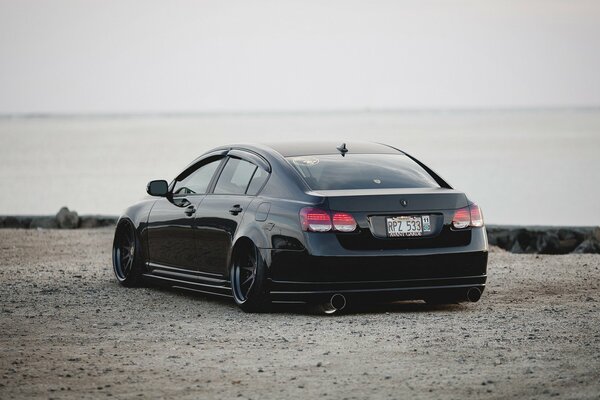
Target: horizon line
(26, 115)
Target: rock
(522, 237)
(497, 238)
(596, 234)
(516, 248)
(547, 243)
(588, 246)
(43, 223)
(545, 240)
(67, 219)
(15, 222)
(568, 245)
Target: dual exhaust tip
(473, 294)
(338, 302)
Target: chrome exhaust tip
(337, 302)
(473, 294)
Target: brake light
(462, 218)
(343, 222)
(317, 220)
(476, 215)
(467, 216)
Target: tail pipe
(473, 294)
(337, 302)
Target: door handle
(190, 210)
(235, 210)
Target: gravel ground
(68, 330)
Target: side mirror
(157, 188)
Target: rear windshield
(362, 171)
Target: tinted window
(235, 177)
(197, 182)
(259, 178)
(361, 171)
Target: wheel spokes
(249, 279)
(245, 274)
(125, 252)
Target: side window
(235, 177)
(258, 180)
(197, 182)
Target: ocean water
(522, 167)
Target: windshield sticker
(306, 161)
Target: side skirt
(189, 280)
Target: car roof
(306, 148)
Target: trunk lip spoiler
(383, 192)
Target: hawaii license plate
(407, 225)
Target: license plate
(407, 225)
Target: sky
(146, 56)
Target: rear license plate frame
(404, 226)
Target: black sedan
(307, 223)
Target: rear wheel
(126, 254)
(249, 279)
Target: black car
(309, 223)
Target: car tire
(127, 255)
(249, 279)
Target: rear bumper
(367, 293)
(299, 276)
(316, 279)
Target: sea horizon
(523, 166)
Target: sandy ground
(68, 330)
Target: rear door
(171, 239)
(221, 212)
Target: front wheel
(249, 279)
(126, 255)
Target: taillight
(476, 215)
(462, 218)
(314, 219)
(467, 216)
(317, 220)
(343, 222)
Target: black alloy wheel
(248, 279)
(126, 257)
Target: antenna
(342, 149)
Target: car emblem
(404, 203)
(377, 181)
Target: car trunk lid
(393, 200)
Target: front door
(170, 232)
(171, 237)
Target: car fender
(138, 214)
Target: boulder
(67, 219)
(516, 248)
(588, 246)
(568, 245)
(547, 243)
(520, 240)
(596, 234)
(11, 222)
(545, 240)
